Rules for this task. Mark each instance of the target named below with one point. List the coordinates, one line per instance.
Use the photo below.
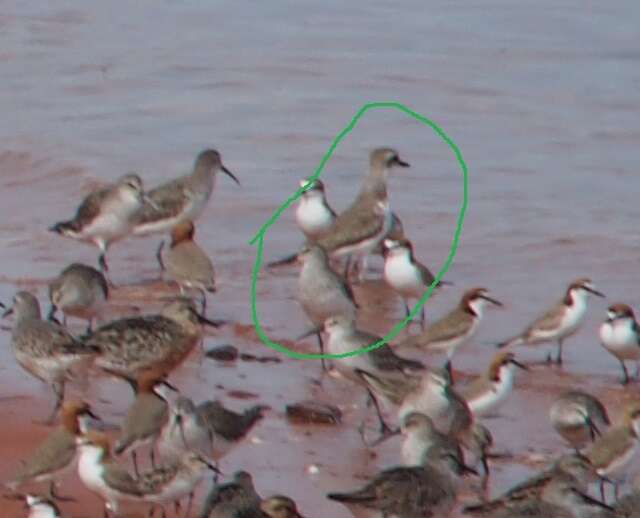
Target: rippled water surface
(542, 99)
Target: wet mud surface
(543, 106)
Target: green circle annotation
(258, 239)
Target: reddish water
(543, 104)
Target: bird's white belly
(620, 341)
(403, 277)
(313, 217)
(489, 401)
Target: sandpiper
(106, 215)
(428, 490)
(561, 321)
(234, 499)
(488, 391)
(421, 438)
(407, 276)
(42, 507)
(188, 264)
(183, 198)
(344, 338)
(578, 417)
(145, 417)
(171, 483)
(620, 335)
(314, 216)
(612, 452)
(79, 291)
(430, 394)
(322, 292)
(279, 506)
(456, 328)
(574, 466)
(159, 342)
(45, 349)
(209, 428)
(102, 475)
(57, 453)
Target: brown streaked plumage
(280, 506)
(183, 198)
(578, 417)
(44, 349)
(234, 499)
(158, 342)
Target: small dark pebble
(313, 412)
(223, 353)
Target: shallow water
(541, 99)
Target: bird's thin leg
(625, 373)
(616, 490)
(321, 346)
(89, 326)
(346, 267)
(407, 311)
(559, 357)
(58, 390)
(204, 301)
(422, 318)
(152, 454)
(134, 458)
(384, 427)
(602, 491)
(102, 261)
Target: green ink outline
(259, 237)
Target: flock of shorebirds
(439, 420)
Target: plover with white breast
(145, 417)
(407, 276)
(578, 417)
(44, 349)
(489, 390)
(159, 342)
(186, 263)
(183, 198)
(561, 321)
(314, 215)
(421, 437)
(620, 335)
(345, 338)
(79, 291)
(106, 215)
(57, 453)
(456, 328)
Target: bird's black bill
(211, 323)
(399, 162)
(8, 312)
(520, 365)
(229, 173)
(595, 292)
(492, 300)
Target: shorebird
(575, 467)
(279, 506)
(102, 475)
(488, 391)
(171, 483)
(314, 215)
(233, 500)
(188, 264)
(620, 335)
(345, 338)
(561, 321)
(578, 417)
(407, 276)
(612, 452)
(408, 491)
(322, 292)
(106, 215)
(130, 346)
(145, 417)
(79, 291)
(421, 438)
(44, 349)
(183, 198)
(456, 328)
(209, 429)
(57, 453)
(430, 394)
